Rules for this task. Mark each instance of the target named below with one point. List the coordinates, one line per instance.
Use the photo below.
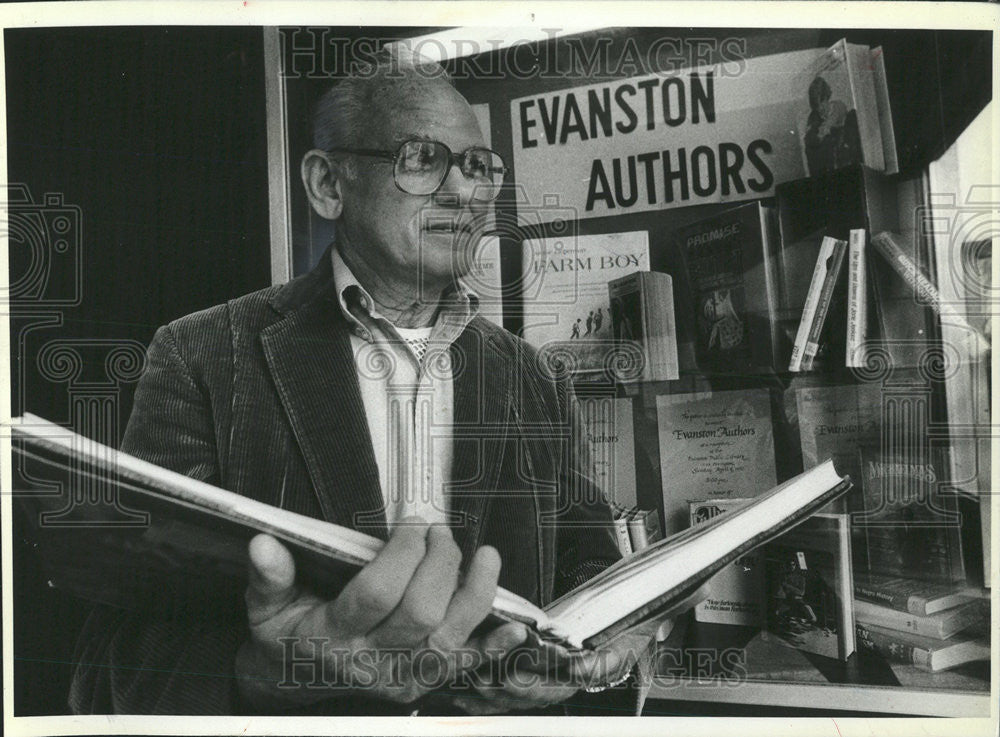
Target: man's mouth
(444, 225)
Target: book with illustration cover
(837, 114)
(567, 313)
(729, 263)
(810, 604)
(196, 534)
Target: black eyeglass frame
(453, 160)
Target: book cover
(713, 445)
(565, 289)
(809, 210)
(939, 626)
(857, 299)
(926, 653)
(809, 587)
(835, 422)
(825, 280)
(643, 326)
(609, 442)
(729, 263)
(734, 595)
(837, 113)
(908, 524)
(910, 595)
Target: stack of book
(931, 626)
(636, 528)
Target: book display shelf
(775, 360)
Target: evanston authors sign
(695, 136)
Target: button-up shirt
(408, 398)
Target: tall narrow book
(857, 299)
(195, 530)
(821, 288)
(643, 327)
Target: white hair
(344, 112)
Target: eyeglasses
(420, 167)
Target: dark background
(158, 136)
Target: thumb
(271, 584)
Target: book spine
(938, 626)
(621, 533)
(811, 303)
(889, 152)
(893, 599)
(823, 305)
(862, 79)
(885, 243)
(891, 648)
(857, 303)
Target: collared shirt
(408, 398)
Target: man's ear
(321, 178)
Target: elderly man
(367, 393)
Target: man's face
(407, 236)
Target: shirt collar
(458, 304)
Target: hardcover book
(809, 587)
(926, 653)
(909, 524)
(837, 115)
(939, 626)
(197, 534)
(729, 262)
(642, 324)
(734, 595)
(565, 290)
(910, 595)
(713, 445)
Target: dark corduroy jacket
(260, 396)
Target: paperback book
(939, 626)
(643, 326)
(809, 587)
(565, 290)
(926, 653)
(198, 533)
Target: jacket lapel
(310, 359)
(482, 394)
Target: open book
(165, 523)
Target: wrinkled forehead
(426, 109)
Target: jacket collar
(308, 352)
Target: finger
(470, 604)
(427, 595)
(377, 589)
(271, 585)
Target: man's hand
(400, 628)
